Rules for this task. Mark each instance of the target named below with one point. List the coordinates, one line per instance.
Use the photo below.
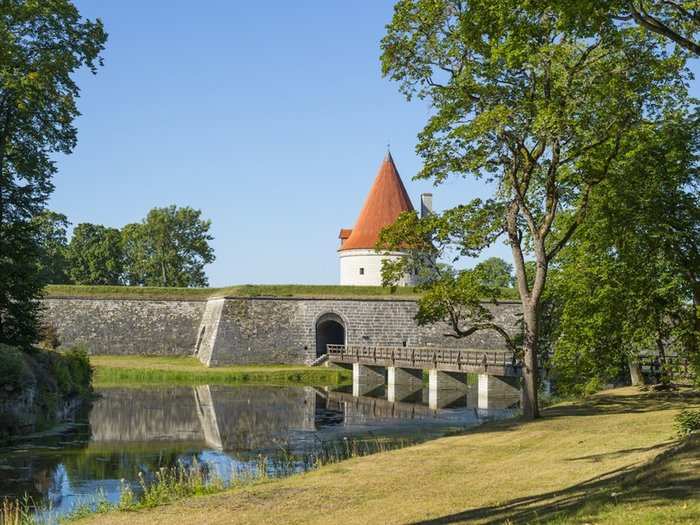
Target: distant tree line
(170, 247)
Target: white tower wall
(364, 268)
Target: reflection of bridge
(411, 405)
(247, 418)
(402, 367)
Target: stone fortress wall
(251, 330)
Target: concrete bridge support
(444, 388)
(444, 398)
(404, 376)
(366, 378)
(439, 380)
(403, 383)
(497, 391)
(407, 393)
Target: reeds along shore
(169, 484)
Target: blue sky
(272, 118)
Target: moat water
(128, 432)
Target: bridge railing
(421, 357)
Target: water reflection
(132, 430)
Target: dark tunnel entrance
(330, 330)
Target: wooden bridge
(401, 369)
(497, 363)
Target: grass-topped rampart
(245, 290)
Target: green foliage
(48, 336)
(105, 375)
(11, 368)
(525, 99)
(169, 248)
(73, 372)
(628, 281)
(687, 422)
(20, 284)
(497, 272)
(51, 228)
(446, 295)
(678, 21)
(95, 255)
(41, 46)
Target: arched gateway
(330, 330)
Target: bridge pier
(444, 388)
(404, 376)
(498, 391)
(409, 393)
(403, 383)
(444, 398)
(366, 378)
(439, 380)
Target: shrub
(73, 371)
(48, 336)
(687, 421)
(11, 367)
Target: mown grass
(595, 461)
(142, 370)
(247, 290)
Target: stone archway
(330, 330)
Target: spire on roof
(386, 200)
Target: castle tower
(360, 263)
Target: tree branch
(653, 24)
(460, 334)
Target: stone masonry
(254, 330)
(283, 330)
(126, 326)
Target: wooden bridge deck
(490, 362)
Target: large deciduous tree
(51, 230)
(678, 21)
(628, 282)
(42, 43)
(169, 248)
(95, 255)
(497, 272)
(539, 109)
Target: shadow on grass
(600, 405)
(673, 476)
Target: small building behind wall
(360, 263)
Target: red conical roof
(386, 200)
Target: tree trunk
(529, 398)
(636, 376)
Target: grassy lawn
(247, 290)
(610, 459)
(120, 370)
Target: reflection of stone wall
(137, 415)
(282, 330)
(135, 327)
(253, 417)
(228, 418)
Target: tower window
(362, 271)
